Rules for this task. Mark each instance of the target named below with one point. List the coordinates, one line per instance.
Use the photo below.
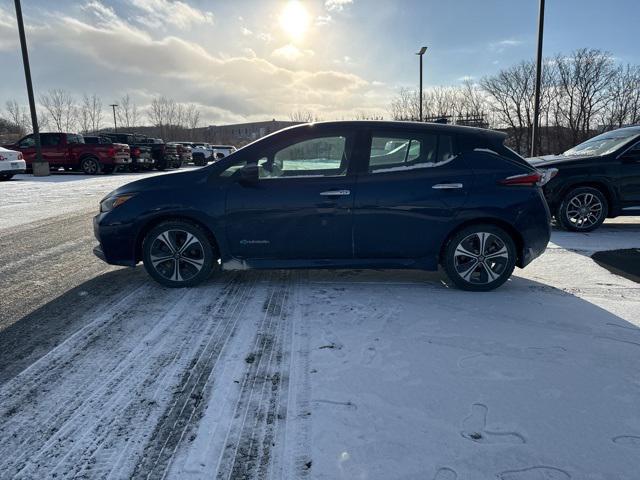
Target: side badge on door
(254, 242)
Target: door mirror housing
(248, 174)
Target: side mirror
(248, 175)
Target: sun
(295, 19)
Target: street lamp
(40, 166)
(420, 54)
(536, 102)
(115, 124)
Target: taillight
(20, 157)
(539, 177)
(135, 152)
(111, 152)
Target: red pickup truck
(68, 150)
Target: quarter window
(318, 157)
(397, 153)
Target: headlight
(110, 203)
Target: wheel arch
(155, 221)
(506, 226)
(599, 185)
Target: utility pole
(40, 166)
(115, 124)
(536, 106)
(420, 54)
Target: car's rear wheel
(583, 209)
(479, 257)
(90, 165)
(178, 254)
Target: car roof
(397, 125)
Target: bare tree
(623, 103)
(405, 105)
(582, 89)
(90, 113)
(127, 112)
(19, 116)
(302, 116)
(61, 109)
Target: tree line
(61, 111)
(582, 93)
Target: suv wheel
(198, 160)
(583, 209)
(178, 254)
(90, 166)
(479, 258)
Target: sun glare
(294, 19)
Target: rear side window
(411, 151)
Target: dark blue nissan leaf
(338, 195)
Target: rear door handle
(447, 186)
(335, 193)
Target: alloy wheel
(177, 255)
(584, 210)
(481, 258)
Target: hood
(555, 160)
(168, 181)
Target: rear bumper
(13, 166)
(14, 171)
(534, 225)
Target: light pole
(536, 102)
(40, 166)
(420, 54)
(115, 124)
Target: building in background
(240, 134)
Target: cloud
(336, 5)
(246, 32)
(324, 20)
(158, 13)
(291, 53)
(502, 45)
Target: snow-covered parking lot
(308, 374)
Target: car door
(630, 179)
(53, 149)
(300, 205)
(413, 185)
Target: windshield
(603, 144)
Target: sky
(251, 60)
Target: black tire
(161, 164)
(107, 169)
(198, 160)
(200, 254)
(90, 165)
(583, 209)
(479, 270)
(6, 176)
(177, 164)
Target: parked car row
(203, 153)
(106, 152)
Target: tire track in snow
(102, 410)
(249, 449)
(189, 398)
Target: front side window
(50, 140)
(27, 142)
(318, 157)
(411, 151)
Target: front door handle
(447, 186)
(336, 193)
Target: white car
(11, 162)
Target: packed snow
(342, 374)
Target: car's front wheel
(479, 257)
(583, 209)
(178, 254)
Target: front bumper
(116, 244)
